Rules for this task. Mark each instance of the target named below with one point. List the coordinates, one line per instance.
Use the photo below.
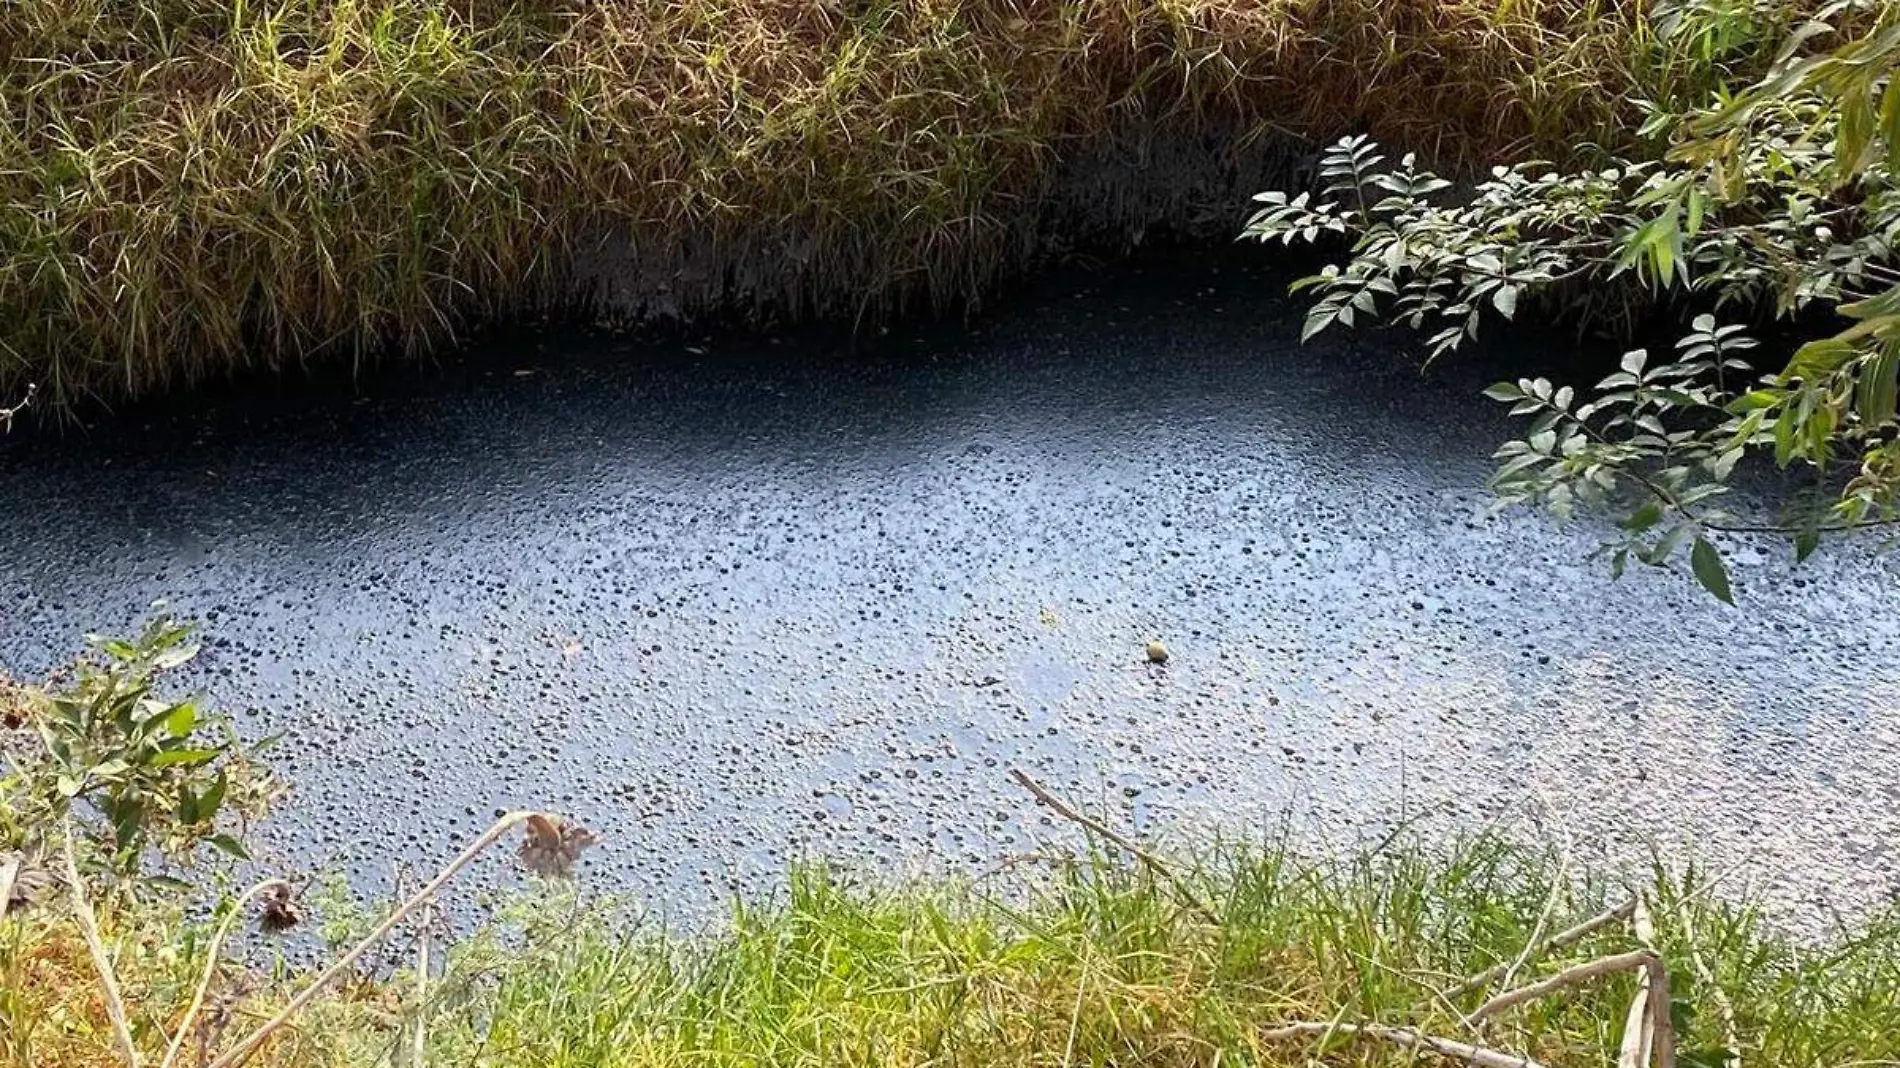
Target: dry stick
(1462, 1052)
(211, 968)
(1662, 1032)
(1637, 1035)
(1153, 862)
(1559, 940)
(109, 982)
(1663, 1045)
(1621, 962)
(243, 1050)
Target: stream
(738, 599)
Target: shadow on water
(735, 597)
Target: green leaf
(1805, 543)
(1505, 392)
(1877, 386)
(1643, 518)
(183, 757)
(128, 819)
(1706, 562)
(227, 844)
(1820, 358)
(1754, 400)
(175, 656)
(213, 798)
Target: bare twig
(1662, 1052)
(1187, 895)
(7, 414)
(1621, 962)
(1462, 1052)
(252, 1042)
(211, 968)
(1568, 936)
(108, 981)
(1637, 1036)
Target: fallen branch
(1462, 1052)
(108, 981)
(1621, 962)
(1187, 895)
(1568, 936)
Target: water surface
(740, 600)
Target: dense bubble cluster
(770, 598)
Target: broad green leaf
(230, 845)
(213, 798)
(1706, 562)
(1805, 543)
(175, 656)
(1643, 518)
(1817, 359)
(1874, 393)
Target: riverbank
(1091, 961)
(202, 187)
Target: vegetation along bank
(125, 940)
(191, 186)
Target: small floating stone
(1157, 653)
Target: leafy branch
(1776, 195)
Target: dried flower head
(553, 845)
(277, 908)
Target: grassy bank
(190, 186)
(1097, 952)
(1099, 964)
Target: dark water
(781, 597)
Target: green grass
(193, 186)
(1096, 964)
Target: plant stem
(109, 982)
(211, 968)
(250, 1044)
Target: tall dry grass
(190, 186)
